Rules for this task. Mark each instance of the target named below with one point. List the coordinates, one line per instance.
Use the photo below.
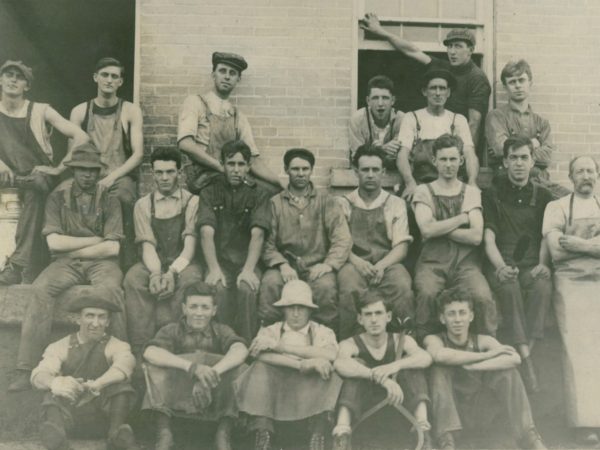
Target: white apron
(577, 305)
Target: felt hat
(86, 155)
(93, 297)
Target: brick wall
(296, 91)
(559, 40)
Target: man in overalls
(378, 365)
(572, 229)
(518, 118)
(309, 240)
(83, 229)
(378, 123)
(86, 378)
(292, 377)
(379, 227)
(208, 121)
(420, 128)
(448, 213)
(115, 126)
(518, 269)
(234, 217)
(165, 225)
(26, 161)
(474, 379)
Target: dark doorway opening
(62, 40)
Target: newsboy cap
(460, 34)
(25, 70)
(231, 59)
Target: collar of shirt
(312, 192)
(511, 192)
(514, 108)
(217, 105)
(77, 191)
(207, 332)
(387, 125)
(357, 201)
(304, 330)
(175, 195)
(463, 68)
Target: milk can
(10, 209)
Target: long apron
(577, 311)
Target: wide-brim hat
(296, 292)
(93, 297)
(86, 155)
(438, 73)
(25, 70)
(231, 59)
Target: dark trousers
(125, 189)
(104, 275)
(462, 399)
(523, 304)
(145, 312)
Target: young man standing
(26, 161)
(309, 240)
(376, 365)
(518, 118)
(208, 121)
(518, 270)
(379, 227)
(420, 128)
(86, 376)
(233, 218)
(378, 123)
(115, 127)
(165, 225)
(471, 96)
(83, 229)
(474, 378)
(191, 367)
(292, 377)
(448, 213)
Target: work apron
(577, 307)
(369, 232)
(168, 233)
(221, 130)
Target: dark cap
(86, 155)
(438, 73)
(93, 297)
(25, 70)
(460, 34)
(231, 59)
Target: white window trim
(136, 55)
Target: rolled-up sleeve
(119, 356)
(261, 214)
(53, 223)
(52, 361)
(554, 218)
(462, 129)
(408, 128)
(245, 133)
(355, 136)
(340, 240)
(141, 221)
(192, 121)
(397, 222)
(191, 216)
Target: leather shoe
(122, 439)
(586, 437)
(446, 441)
(53, 437)
(11, 274)
(21, 381)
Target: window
(425, 23)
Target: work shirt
(233, 213)
(508, 212)
(506, 120)
(179, 338)
(118, 355)
(165, 207)
(394, 212)
(318, 233)
(83, 214)
(193, 120)
(313, 334)
(361, 133)
(433, 127)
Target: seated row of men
(196, 368)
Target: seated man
(192, 365)
(379, 227)
(233, 218)
(309, 239)
(85, 376)
(420, 128)
(83, 229)
(474, 378)
(518, 272)
(448, 213)
(377, 365)
(292, 377)
(378, 123)
(165, 228)
(518, 118)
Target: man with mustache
(572, 230)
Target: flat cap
(460, 34)
(25, 70)
(93, 297)
(231, 59)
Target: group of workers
(230, 293)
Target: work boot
(53, 436)
(446, 441)
(164, 440)
(11, 274)
(263, 440)
(317, 441)
(529, 376)
(21, 381)
(122, 439)
(533, 440)
(586, 437)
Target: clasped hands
(162, 284)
